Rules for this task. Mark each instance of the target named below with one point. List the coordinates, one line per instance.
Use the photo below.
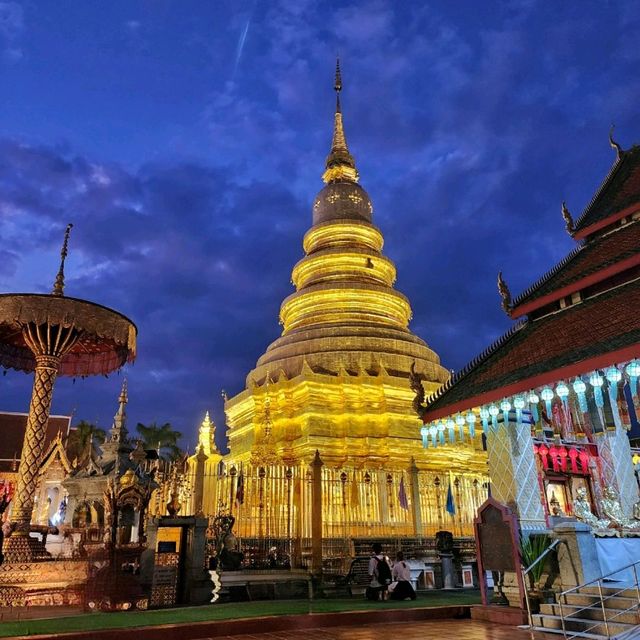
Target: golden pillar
(45, 375)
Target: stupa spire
(340, 165)
(206, 436)
(119, 428)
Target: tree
(163, 437)
(80, 435)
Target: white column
(513, 471)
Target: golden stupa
(337, 382)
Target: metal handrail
(598, 582)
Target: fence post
(316, 515)
(198, 489)
(416, 512)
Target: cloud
(11, 29)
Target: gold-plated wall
(356, 503)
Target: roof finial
(568, 219)
(614, 144)
(338, 85)
(505, 294)
(340, 164)
(58, 286)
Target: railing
(606, 620)
(525, 573)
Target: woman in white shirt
(401, 588)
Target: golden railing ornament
(53, 335)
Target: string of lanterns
(526, 405)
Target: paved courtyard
(440, 630)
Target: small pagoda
(557, 395)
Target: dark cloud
(469, 129)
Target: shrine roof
(13, 427)
(589, 263)
(619, 195)
(590, 334)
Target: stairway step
(573, 625)
(574, 634)
(585, 599)
(592, 612)
(625, 591)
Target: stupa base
(23, 548)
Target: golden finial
(504, 292)
(58, 287)
(568, 218)
(124, 397)
(614, 144)
(338, 85)
(340, 164)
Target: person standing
(401, 587)
(379, 574)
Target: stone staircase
(584, 616)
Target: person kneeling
(401, 587)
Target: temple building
(330, 399)
(557, 395)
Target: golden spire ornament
(340, 166)
(58, 287)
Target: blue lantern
(451, 430)
(547, 395)
(460, 421)
(424, 432)
(505, 405)
(633, 371)
(580, 387)
(471, 421)
(441, 432)
(563, 393)
(533, 401)
(433, 432)
(596, 381)
(518, 403)
(484, 415)
(493, 412)
(613, 375)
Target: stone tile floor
(440, 630)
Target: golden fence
(276, 502)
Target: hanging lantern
(633, 371)
(518, 403)
(493, 412)
(460, 421)
(547, 395)
(533, 401)
(451, 430)
(441, 432)
(484, 416)
(563, 393)
(505, 405)
(580, 387)
(433, 432)
(424, 432)
(596, 381)
(613, 375)
(471, 421)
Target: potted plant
(531, 548)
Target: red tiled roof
(588, 335)
(619, 194)
(12, 430)
(590, 263)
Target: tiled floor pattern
(440, 630)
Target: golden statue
(582, 511)
(610, 505)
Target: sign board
(498, 544)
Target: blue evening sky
(186, 141)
